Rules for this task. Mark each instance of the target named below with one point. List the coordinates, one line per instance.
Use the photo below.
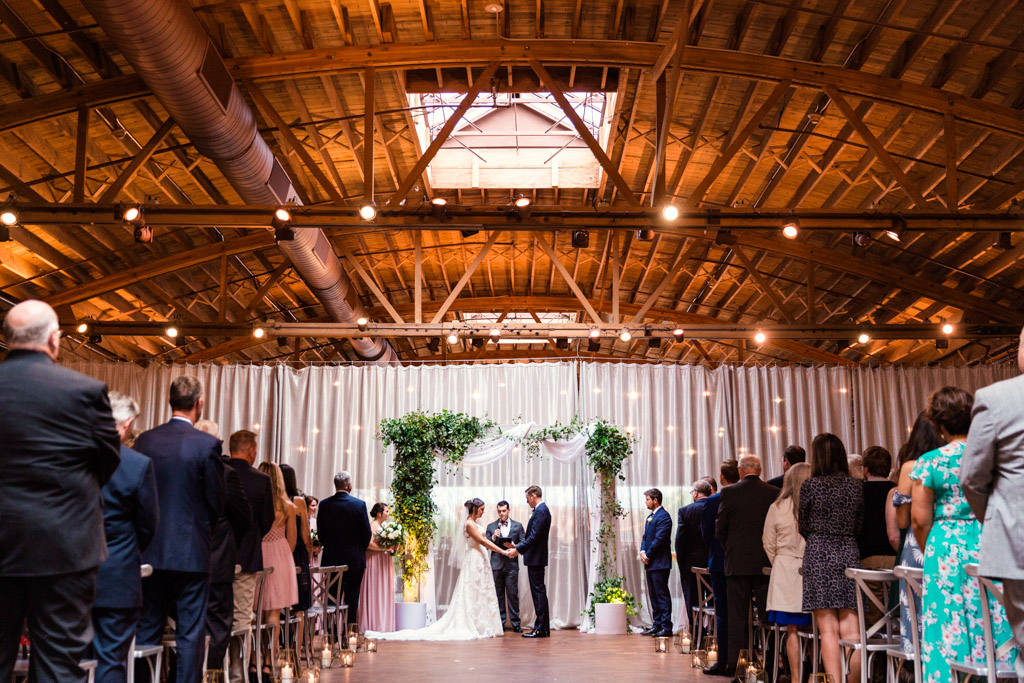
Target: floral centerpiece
(391, 535)
(610, 590)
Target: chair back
(882, 632)
(989, 587)
(913, 578)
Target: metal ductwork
(166, 45)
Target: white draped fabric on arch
(687, 419)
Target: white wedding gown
(473, 612)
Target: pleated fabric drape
(686, 420)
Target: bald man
(60, 446)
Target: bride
(473, 612)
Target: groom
(534, 550)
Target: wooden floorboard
(566, 656)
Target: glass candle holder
(712, 649)
(326, 656)
(352, 636)
(311, 676)
(288, 666)
(752, 674)
(700, 659)
(822, 678)
(347, 659)
(370, 644)
(214, 676)
(683, 642)
(661, 644)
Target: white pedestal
(410, 615)
(609, 618)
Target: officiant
(506, 569)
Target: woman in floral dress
(950, 535)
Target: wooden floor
(566, 656)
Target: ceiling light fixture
(580, 239)
(259, 332)
(947, 329)
(434, 344)
(368, 210)
(494, 7)
(9, 214)
(362, 324)
(895, 231)
(281, 222)
(171, 332)
(644, 235)
(562, 343)
(495, 334)
(678, 334)
(861, 238)
(143, 234)
(82, 328)
(95, 338)
(453, 338)
(625, 335)
(594, 342)
(725, 238)
(439, 208)
(1005, 241)
(863, 338)
(670, 212)
(760, 337)
(790, 229)
(522, 207)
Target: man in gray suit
(992, 477)
(506, 569)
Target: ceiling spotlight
(281, 217)
(131, 214)
(580, 239)
(453, 338)
(595, 333)
(1005, 241)
(368, 211)
(644, 235)
(143, 234)
(439, 207)
(861, 238)
(678, 334)
(947, 329)
(468, 233)
(760, 337)
(594, 342)
(477, 342)
(282, 343)
(495, 334)
(494, 7)
(362, 324)
(725, 238)
(434, 344)
(670, 212)
(82, 328)
(625, 335)
(790, 229)
(95, 338)
(259, 332)
(942, 343)
(895, 232)
(562, 343)
(863, 338)
(171, 332)
(9, 217)
(522, 206)
(654, 343)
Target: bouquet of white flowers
(391, 534)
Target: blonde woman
(785, 549)
(281, 589)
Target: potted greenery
(611, 605)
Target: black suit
(777, 481)
(190, 483)
(716, 573)
(505, 570)
(343, 526)
(230, 528)
(259, 493)
(739, 528)
(59, 447)
(534, 549)
(691, 551)
(130, 514)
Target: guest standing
(656, 554)
(280, 588)
(59, 448)
(831, 513)
(304, 544)
(924, 437)
(377, 594)
(505, 570)
(259, 493)
(130, 514)
(856, 465)
(785, 549)
(992, 477)
(739, 528)
(729, 474)
(691, 550)
(344, 530)
(190, 486)
(950, 535)
(793, 455)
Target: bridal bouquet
(391, 534)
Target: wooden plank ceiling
(776, 105)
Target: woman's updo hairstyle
(473, 504)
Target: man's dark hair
(877, 461)
(949, 408)
(712, 482)
(185, 392)
(502, 503)
(794, 454)
(241, 440)
(730, 471)
(655, 494)
(828, 456)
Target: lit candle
(751, 674)
(712, 656)
(370, 644)
(286, 674)
(348, 658)
(685, 643)
(326, 656)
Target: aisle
(566, 656)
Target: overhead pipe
(168, 48)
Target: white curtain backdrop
(687, 419)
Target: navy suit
(130, 514)
(691, 551)
(190, 483)
(716, 571)
(657, 532)
(534, 549)
(230, 528)
(343, 525)
(59, 447)
(259, 493)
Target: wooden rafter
(457, 289)
(135, 165)
(567, 276)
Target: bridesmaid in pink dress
(377, 595)
(281, 589)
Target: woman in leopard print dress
(830, 517)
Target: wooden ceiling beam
(567, 276)
(129, 172)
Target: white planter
(410, 615)
(610, 618)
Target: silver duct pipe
(168, 48)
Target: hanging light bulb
(368, 211)
(760, 337)
(453, 338)
(670, 212)
(625, 335)
(863, 338)
(947, 329)
(259, 332)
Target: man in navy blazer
(59, 447)
(130, 514)
(691, 550)
(534, 549)
(343, 526)
(656, 554)
(729, 474)
(190, 484)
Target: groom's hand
(643, 557)
(513, 553)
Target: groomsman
(534, 549)
(691, 550)
(729, 474)
(506, 569)
(656, 554)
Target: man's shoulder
(63, 379)
(133, 460)
(994, 392)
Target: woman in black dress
(303, 546)
(831, 514)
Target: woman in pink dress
(281, 589)
(377, 595)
